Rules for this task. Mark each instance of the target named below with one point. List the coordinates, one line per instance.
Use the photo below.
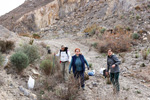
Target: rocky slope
(11, 89)
(73, 16)
(134, 79)
(9, 20)
(54, 21)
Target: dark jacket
(72, 64)
(113, 60)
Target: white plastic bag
(31, 83)
(101, 70)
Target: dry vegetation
(119, 38)
(6, 45)
(118, 43)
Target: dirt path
(131, 88)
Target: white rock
(35, 72)
(145, 38)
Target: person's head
(77, 51)
(62, 47)
(110, 52)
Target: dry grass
(71, 91)
(145, 53)
(94, 29)
(6, 45)
(36, 36)
(25, 35)
(43, 44)
(118, 43)
(50, 65)
(54, 88)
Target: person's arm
(58, 54)
(117, 61)
(70, 65)
(69, 56)
(86, 62)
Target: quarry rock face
(74, 16)
(45, 16)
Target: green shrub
(128, 28)
(137, 17)
(102, 30)
(136, 56)
(20, 60)
(138, 92)
(31, 51)
(36, 36)
(90, 65)
(31, 41)
(122, 17)
(1, 59)
(135, 36)
(47, 66)
(145, 53)
(95, 45)
(92, 32)
(142, 65)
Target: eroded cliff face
(75, 15)
(46, 15)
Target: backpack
(66, 49)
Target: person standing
(113, 66)
(78, 63)
(65, 59)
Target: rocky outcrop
(73, 16)
(46, 15)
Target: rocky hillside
(74, 16)
(9, 20)
(92, 26)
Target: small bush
(92, 32)
(50, 65)
(46, 66)
(95, 45)
(128, 28)
(136, 56)
(91, 29)
(72, 89)
(31, 51)
(102, 30)
(43, 44)
(1, 59)
(118, 44)
(138, 17)
(138, 92)
(6, 45)
(90, 65)
(142, 65)
(36, 36)
(145, 53)
(31, 41)
(20, 60)
(135, 36)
